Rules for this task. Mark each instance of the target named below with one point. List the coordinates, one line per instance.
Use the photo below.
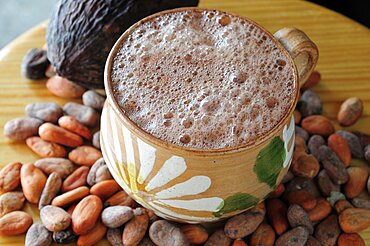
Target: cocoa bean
(84, 155)
(64, 237)
(96, 140)
(297, 116)
(277, 215)
(195, 234)
(84, 114)
(314, 143)
(146, 242)
(278, 191)
(287, 177)
(98, 172)
(54, 218)
(246, 223)
(309, 104)
(363, 137)
(21, 128)
(354, 219)
(114, 237)
(114, 217)
(10, 177)
(297, 216)
(350, 111)
(326, 185)
(33, 182)
(341, 205)
(86, 213)
(318, 124)
(93, 99)
(76, 179)
(15, 223)
(51, 189)
(299, 131)
(361, 202)
(312, 80)
(120, 198)
(56, 134)
(333, 165)
(218, 238)
(11, 201)
(321, 211)
(353, 142)
(327, 232)
(63, 87)
(295, 237)
(313, 242)
(96, 234)
(305, 166)
(367, 153)
(356, 181)
(45, 111)
(135, 229)
(340, 147)
(239, 242)
(165, 233)
(71, 124)
(263, 235)
(38, 235)
(105, 189)
(346, 239)
(45, 148)
(70, 197)
(61, 166)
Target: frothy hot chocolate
(204, 80)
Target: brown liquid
(203, 79)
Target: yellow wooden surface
(344, 64)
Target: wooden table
(344, 64)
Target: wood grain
(344, 63)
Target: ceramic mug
(195, 185)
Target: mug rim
(130, 124)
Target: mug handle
(303, 51)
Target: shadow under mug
(193, 185)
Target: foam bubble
(202, 79)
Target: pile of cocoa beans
(323, 200)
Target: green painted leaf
(238, 201)
(270, 161)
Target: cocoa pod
(98, 172)
(218, 238)
(21, 128)
(135, 229)
(64, 237)
(114, 237)
(54, 218)
(92, 99)
(38, 235)
(346, 239)
(33, 182)
(305, 166)
(15, 223)
(96, 140)
(353, 220)
(70, 197)
(61, 166)
(327, 232)
(165, 233)
(86, 213)
(321, 211)
(84, 114)
(114, 217)
(318, 124)
(10, 177)
(361, 202)
(246, 223)
(312, 80)
(56, 134)
(277, 215)
(353, 142)
(121, 198)
(105, 189)
(195, 234)
(11, 201)
(76, 179)
(314, 143)
(341, 205)
(84, 155)
(297, 216)
(309, 104)
(51, 189)
(45, 111)
(350, 111)
(356, 181)
(71, 124)
(299, 131)
(325, 184)
(340, 147)
(263, 235)
(296, 236)
(333, 165)
(63, 87)
(45, 148)
(96, 234)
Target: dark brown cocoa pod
(309, 104)
(333, 165)
(327, 232)
(76, 28)
(314, 143)
(34, 64)
(353, 142)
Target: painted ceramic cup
(192, 185)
